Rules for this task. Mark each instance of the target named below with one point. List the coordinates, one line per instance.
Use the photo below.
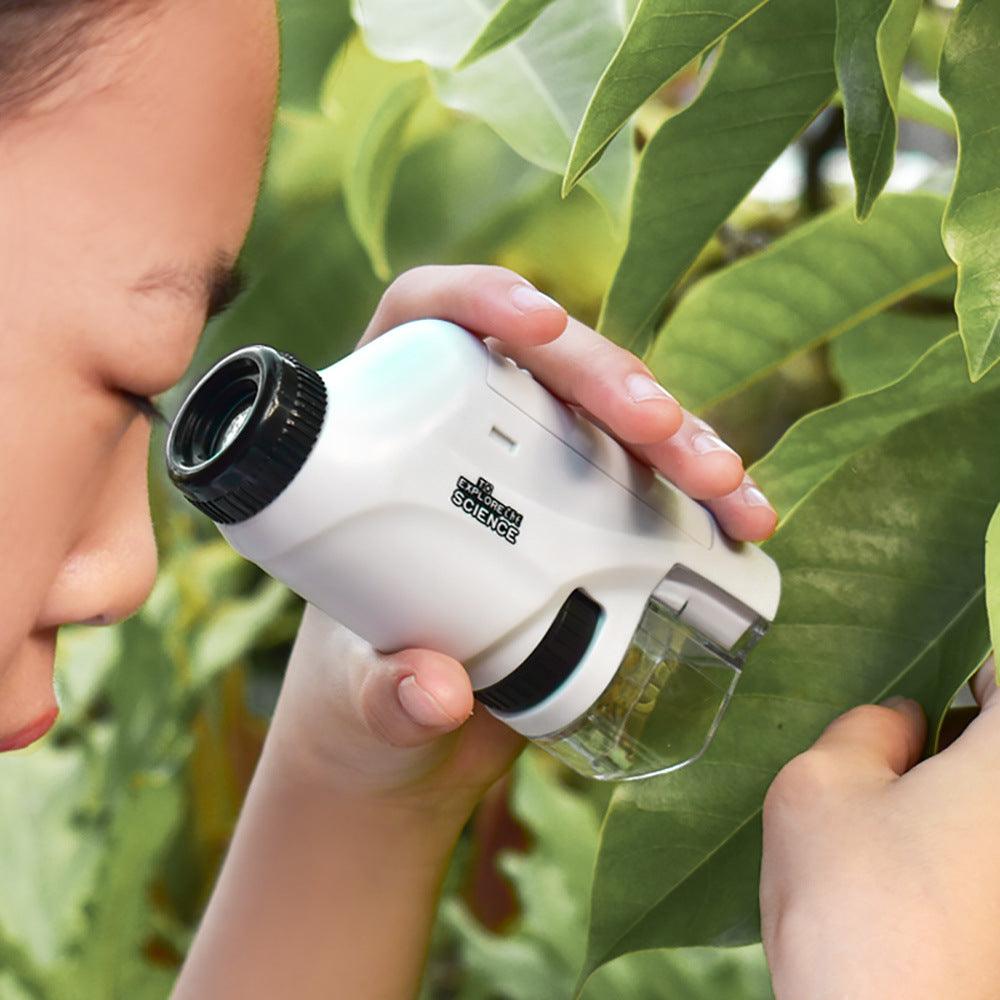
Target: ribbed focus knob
(551, 662)
(244, 432)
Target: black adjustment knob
(551, 662)
(244, 432)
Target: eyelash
(226, 293)
(146, 407)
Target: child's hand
(880, 879)
(393, 725)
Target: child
(132, 137)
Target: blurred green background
(125, 812)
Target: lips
(29, 734)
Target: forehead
(163, 123)
(147, 157)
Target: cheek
(56, 434)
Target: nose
(112, 567)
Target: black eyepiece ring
(244, 432)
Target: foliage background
(759, 297)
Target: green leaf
(880, 596)
(510, 20)
(970, 85)
(75, 910)
(822, 441)
(684, 974)
(371, 107)
(436, 32)
(234, 629)
(662, 38)
(820, 280)
(368, 185)
(882, 348)
(915, 107)
(114, 964)
(442, 211)
(532, 92)
(85, 656)
(17, 980)
(993, 582)
(701, 163)
(872, 40)
(48, 858)
(539, 957)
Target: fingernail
(641, 387)
(528, 299)
(421, 705)
(753, 497)
(706, 442)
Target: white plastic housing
(374, 529)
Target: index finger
(616, 389)
(489, 301)
(573, 362)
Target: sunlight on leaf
(532, 92)
(509, 21)
(807, 287)
(662, 38)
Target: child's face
(120, 195)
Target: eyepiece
(244, 432)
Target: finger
(696, 460)
(486, 300)
(745, 514)
(582, 368)
(984, 684)
(874, 742)
(701, 470)
(617, 390)
(585, 369)
(415, 696)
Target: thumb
(876, 743)
(414, 696)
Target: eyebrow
(214, 286)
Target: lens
(216, 412)
(244, 432)
(228, 416)
(234, 426)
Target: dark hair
(40, 40)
